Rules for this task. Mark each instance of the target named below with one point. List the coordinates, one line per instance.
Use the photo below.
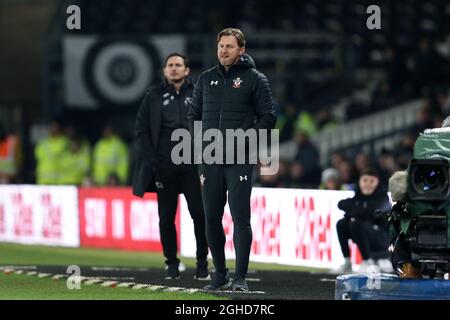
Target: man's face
(175, 70)
(368, 184)
(228, 50)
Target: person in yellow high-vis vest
(10, 156)
(110, 158)
(75, 162)
(48, 154)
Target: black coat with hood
(149, 125)
(366, 207)
(238, 99)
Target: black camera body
(419, 225)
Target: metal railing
(371, 133)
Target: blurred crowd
(344, 167)
(416, 76)
(65, 156)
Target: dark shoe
(202, 272)
(239, 284)
(172, 272)
(219, 281)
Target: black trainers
(172, 272)
(239, 284)
(202, 272)
(219, 281)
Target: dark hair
(176, 54)
(237, 33)
(369, 171)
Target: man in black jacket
(363, 222)
(163, 110)
(232, 95)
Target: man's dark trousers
(216, 180)
(170, 181)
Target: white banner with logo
(290, 226)
(46, 215)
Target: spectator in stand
(324, 120)
(443, 102)
(362, 161)
(278, 180)
(73, 133)
(305, 169)
(75, 162)
(305, 123)
(337, 158)
(387, 165)
(286, 122)
(268, 181)
(348, 174)
(424, 118)
(10, 156)
(48, 153)
(437, 121)
(331, 180)
(283, 174)
(363, 223)
(404, 151)
(110, 158)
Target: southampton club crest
(202, 180)
(237, 83)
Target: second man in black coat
(163, 110)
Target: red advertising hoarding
(114, 218)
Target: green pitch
(16, 254)
(13, 286)
(24, 287)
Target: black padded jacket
(238, 99)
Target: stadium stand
(318, 54)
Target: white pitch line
(118, 269)
(238, 292)
(175, 289)
(19, 267)
(136, 286)
(93, 281)
(140, 286)
(327, 280)
(126, 284)
(253, 279)
(43, 275)
(155, 287)
(116, 278)
(108, 283)
(192, 290)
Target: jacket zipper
(221, 110)
(180, 122)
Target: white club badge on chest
(237, 83)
